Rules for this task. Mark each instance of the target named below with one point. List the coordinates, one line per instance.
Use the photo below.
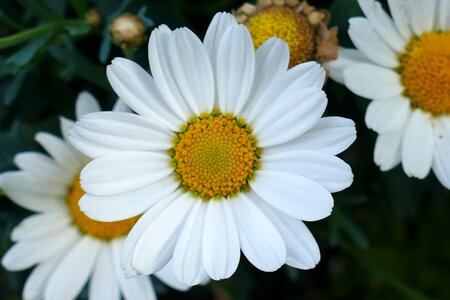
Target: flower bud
(127, 30)
(93, 18)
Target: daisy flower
(67, 246)
(229, 152)
(403, 65)
(300, 25)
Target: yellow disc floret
(285, 23)
(425, 72)
(215, 155)
(100, 230)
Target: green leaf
(40, 9)
(79, 66)
(365, 259)
(80, 6)
(26, 53)
(12, 90)
(147, 21)
(77, 29)
(352, 230)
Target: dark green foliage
(388, 236)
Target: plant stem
(35, 32)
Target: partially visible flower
(128, 30)
(300, 25)
(228, 152)
(67, 246)
(403, 65)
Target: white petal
(388, 115)
(125, 205)
(192, 71)
(26, 195)
(42, 166)
(302, 76)
(382, 24)
(372, 82)
(367, 40)
(33, 184)
(124, 171)
(121, 106)
(137, 88)
(155, 246)
(27, 253)
(40, 225)
(87, 147)
(61, 152)
(217, 28)
(441, 161)
(260, 241)
(140, 287)
(417, 145)
(271, 61)
(400, 13)
(289, 116)
(293, 195)
(163, 72)
(136, 232)
(121, 131)
(346, 57)
(167, 276)
(235, 70)
(35, 285)
(85, 104)
(328, 170)
(330, 135)
(103, 284)
(65, 126)
(302, 249)
(220, 245)
(443, 21)
(187, 261)
(73, 271)
(422, 15)
(387, 149)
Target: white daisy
(229, 152)
(403, 65)
(66, 246)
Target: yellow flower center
(215, 155)
(425, 72)
(285, 23)
(100, 230)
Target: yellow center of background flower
(285, 23)
(215, 155)
(425, 72)
(100, 230)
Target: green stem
(32, 33)
(128, 52)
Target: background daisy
(402, 64)
(229, 155)
(66, 247)
(302, 26)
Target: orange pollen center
(215, 155)
(286, 24)
(100, 230)
(425, 72)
